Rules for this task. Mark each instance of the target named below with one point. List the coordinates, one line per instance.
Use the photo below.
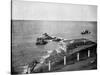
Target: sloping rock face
(66, 48)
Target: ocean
(25, 33)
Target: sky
(30, 10)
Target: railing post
(28, 70)
(64, 60)
(88, 53)
(78, 56)
(65, 48)
(49, 66)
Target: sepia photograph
(52, 37)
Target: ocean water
(25, 32)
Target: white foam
(50, 51)
(72, 41)
(46, 56)
(58, 50)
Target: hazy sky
(29, 10)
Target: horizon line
(52, 20)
